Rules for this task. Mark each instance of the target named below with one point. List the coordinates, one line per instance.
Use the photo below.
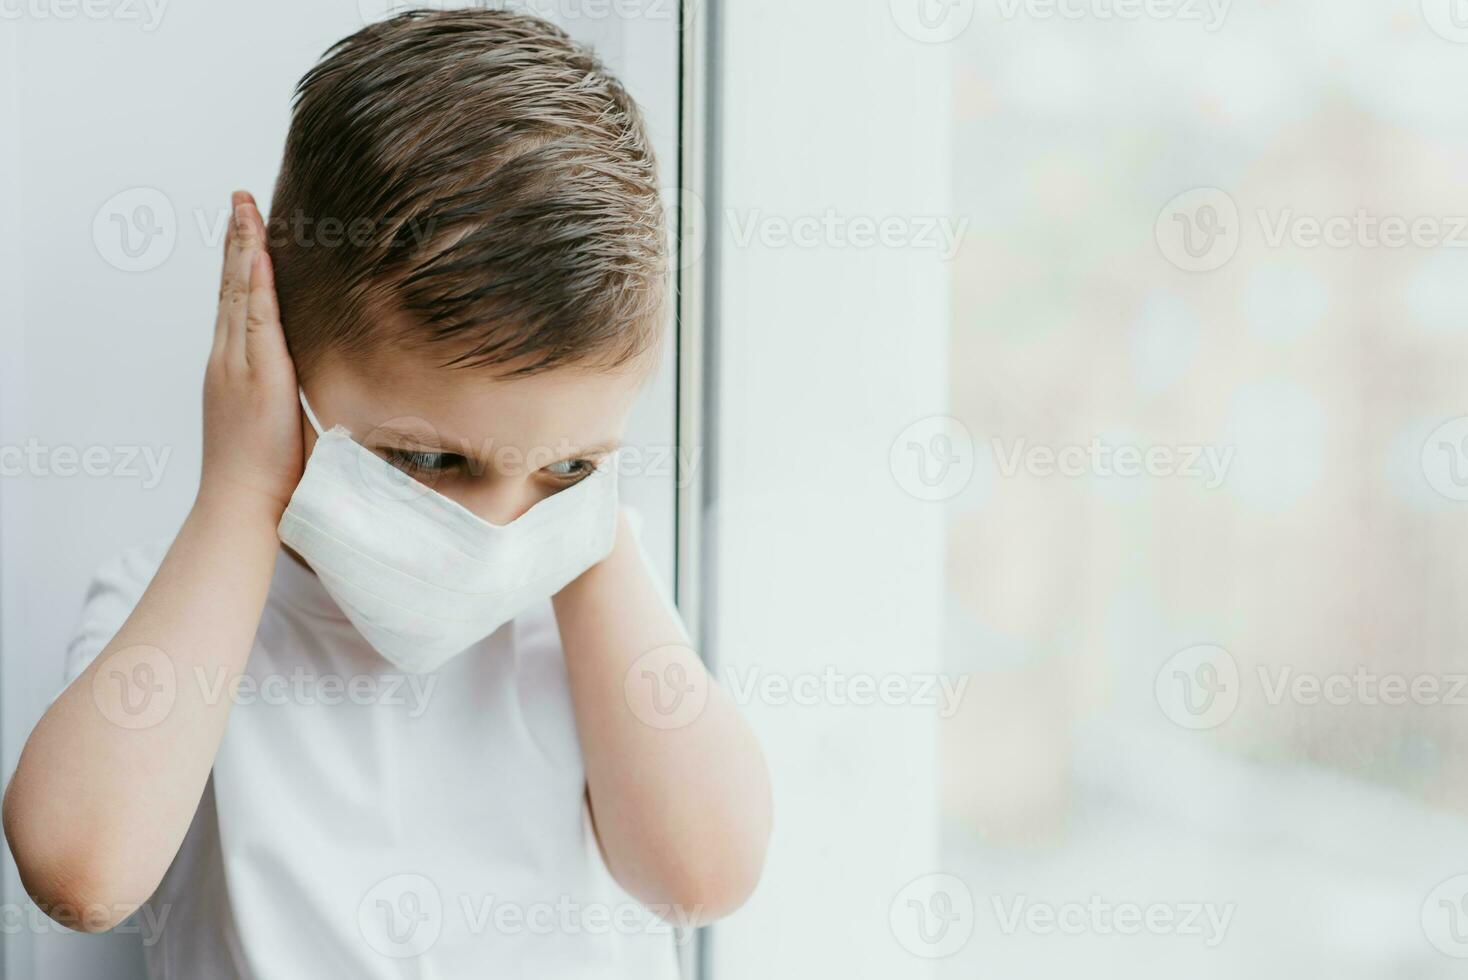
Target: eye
(571, 470)
(417, 461)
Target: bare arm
(110, 778)
(680, 794)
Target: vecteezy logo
(1447, 18)
(933, 21)
(136, 687)
(1198, 688)
(401, 916)
(136, 230)
(667, 688)
(1445, 917)
(933, 916)
(1199, 230)
(933, 459)
(1445, 459)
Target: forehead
(412, 390)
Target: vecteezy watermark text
(1102, 917)
(149, 13)
(940, 233)
(147, 921)
(1096, 458)
(137, 687)
(1210, 13)
(403, 916)
(1202, 686)
(1201, 230)
(36, 459)
(837, 688)
(1362, 230)
(668, 688)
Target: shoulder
(130, 570)
(636, 523)
(113, 591)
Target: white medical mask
(418, 575)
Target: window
(1136, 420)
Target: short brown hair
(483, 178)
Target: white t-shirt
(364, 823)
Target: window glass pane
(1208, 340)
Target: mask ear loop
(310, 415)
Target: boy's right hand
(252, 419)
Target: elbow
(718, 879)
(719, 871)
(71, 885)
(75, 903)
(697, 881)
(711, 894)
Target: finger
(264, 340)
(235, 199)
(221, 320)
(237, 284)
(257, 218)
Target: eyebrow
(601, 448)
(403, 439)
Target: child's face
(497, 447)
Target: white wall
(825, 353)
(193, 106)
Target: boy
(391, 703)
